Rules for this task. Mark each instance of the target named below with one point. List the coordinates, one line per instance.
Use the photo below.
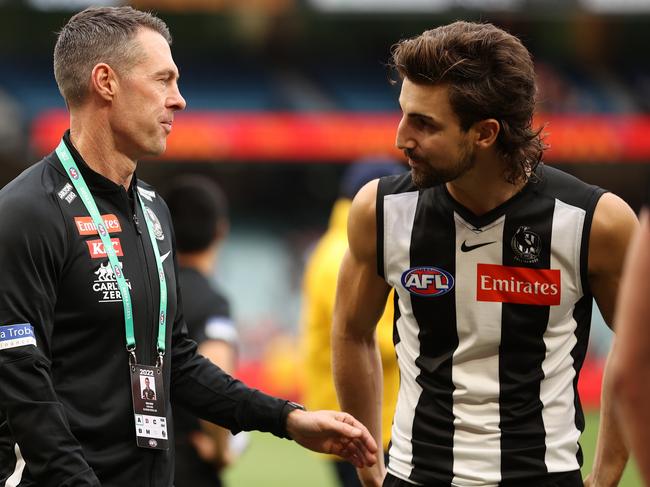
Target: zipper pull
(137, 224)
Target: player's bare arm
(631, 357)
(360, 300)
(613, 225)
(612, 228)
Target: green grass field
(271, 462)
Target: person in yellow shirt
(319, 289)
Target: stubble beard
(426, 175)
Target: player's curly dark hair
(490, 74)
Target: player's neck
(483, 188)
(203, 261)
(98, 148)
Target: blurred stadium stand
(282, 93)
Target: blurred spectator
(199, 214)
(319, 293)
(12, 139)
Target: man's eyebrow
(168, 72)
(422, 116)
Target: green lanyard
(70, 167)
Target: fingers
(354, 452)
(337, 433)
(363, 436)
(357, 444)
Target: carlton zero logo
(97, 250)
(105, 284)
(427, 281)
(86, 226)
(518, 285)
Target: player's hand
(335, 433)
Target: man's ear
(103, 81)
(486, 132)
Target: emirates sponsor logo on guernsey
(86, 226)
(427, 281)
(518, 285)
(97, 250)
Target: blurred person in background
(199, 212)
(89, 301)
(631, 356)
(495, 259)
(319, 291)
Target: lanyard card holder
(149, 407)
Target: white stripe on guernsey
(399, 214)
(556, 389)
(15, 478)
(475, 371)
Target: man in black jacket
(89, 298)
(199, 211)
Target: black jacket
(66, 402)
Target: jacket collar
(94, 180)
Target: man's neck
(203, 261)
(99, 151)
(483, 188)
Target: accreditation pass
(149, 407)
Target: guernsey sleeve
(32, 254)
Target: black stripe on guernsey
(436, 320)
(522, 352)
(396, 317)
(582, 316)
(584, 246)
(379, 215)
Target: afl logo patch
(526, 245)
(73, 173)
(427, 281)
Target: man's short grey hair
(99, 35)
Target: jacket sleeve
(211, 394)
(32, 249)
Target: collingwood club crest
(155, 223)
(526, 245)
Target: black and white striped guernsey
(492, 319)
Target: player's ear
(485, 132)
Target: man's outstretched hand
(333, 432)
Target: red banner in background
(344, 136)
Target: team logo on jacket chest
(526, 245)
(155, 224)
(427, 281)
